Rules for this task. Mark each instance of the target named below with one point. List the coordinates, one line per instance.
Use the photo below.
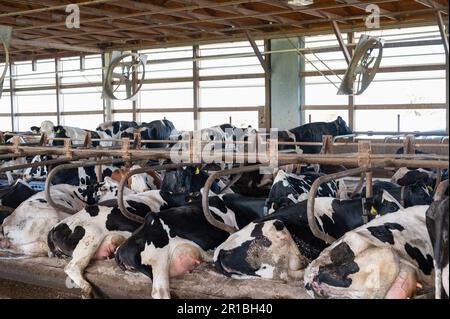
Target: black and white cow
(13, 196)
(25, 230)
(334, 217)
(115, 129)
(83, 176)
(385, 258)
(438, 227)
(174, 241)
(405, 176)
(96, 231)
(287, 188)
(188, 180)
(313, 132)
(159, 130)
(78, 135)
(411, 195)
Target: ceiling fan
(363, 67)
(119, 80)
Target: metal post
(351, 98)
(12, 96)
(266, 118)
(196, 85)
(134, 79)
(58, 70)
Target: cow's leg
(404, 285)
(81, 257)
(296, 266)
(158, 259)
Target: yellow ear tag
(58, 131)
(190, 200)
(430, 188)
(197, 171)
(373, 211)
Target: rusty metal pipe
(312, 197)
(207, 188)
(440, 190)
(51, 175)
(124, 181)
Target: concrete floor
(17, 290)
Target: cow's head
(405, 176)
(342, 128)
(35, 129)
(418, 194)
(264, 250)
(381, 203)
(186, 180)
(47, 127)
(101, 192)
(39, 172)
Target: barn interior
(348, 90)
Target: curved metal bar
(207, 188)
(312, 197)
(440, 190)
(59, 168)
(141, 170)
(347, 136)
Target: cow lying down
(386, 258)
(174, 241)
(25, 230)
(288, 187)
(96, 231)
(254, 250)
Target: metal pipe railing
(51, 175)
(312, 196)
(124, 180)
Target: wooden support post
(126, 150)
(88, 140)
(364, 151)
(99, 169)
(351, 98)
(68, 148)
(43, 139)
(16, 145)
(137, 141)
(408, 145)
(327, 144)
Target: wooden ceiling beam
(58, 46)
(49, 8)
(363, 6)
(233, 18)
(431, 4)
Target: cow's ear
(339, 120)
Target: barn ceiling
(39, 27)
